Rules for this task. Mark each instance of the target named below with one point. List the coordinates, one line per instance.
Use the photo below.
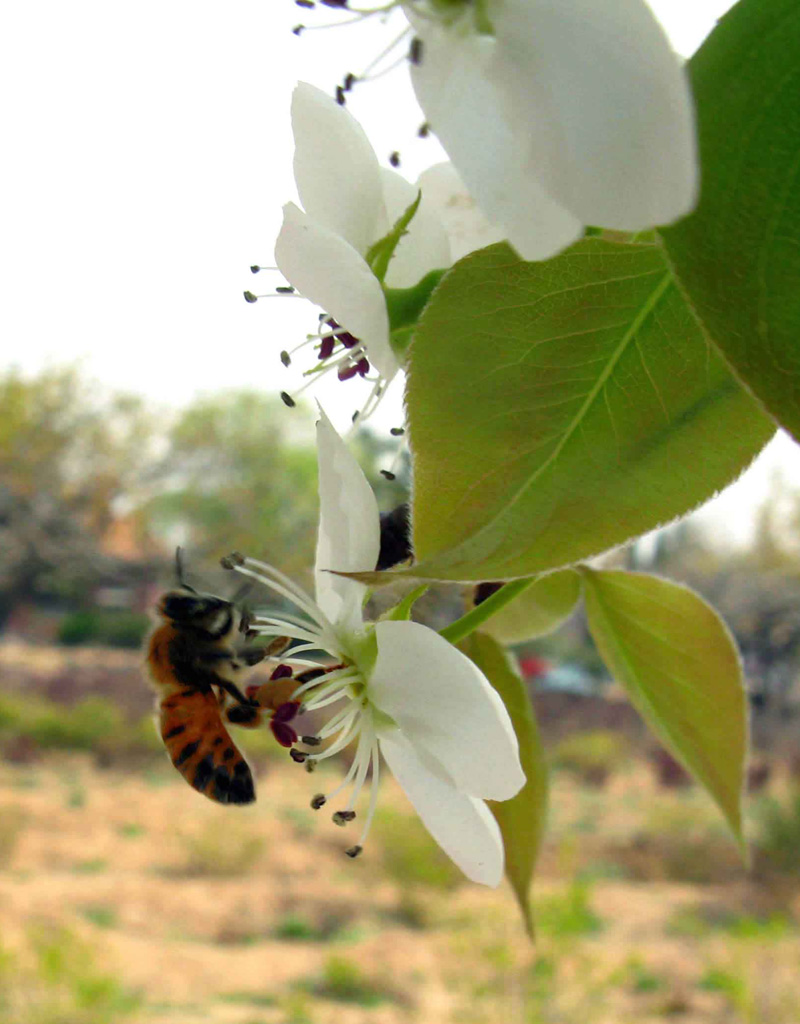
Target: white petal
(472, 118)
(425, 247)
(326, 269)
(444, 704)
(335, 167)
(349, 528)
(460, 824)
(467, 227)
(605, 105)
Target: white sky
(147, 157)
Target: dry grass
(238, 916)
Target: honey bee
(194, 667)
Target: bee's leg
(252, 655)
(235, 692)
(213, 663)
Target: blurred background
(150, 156)
(128, 897)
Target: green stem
(468, 623)
(483, 23)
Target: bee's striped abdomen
(201, 747)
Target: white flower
(399, 690)
(350, 203)
(558, 113)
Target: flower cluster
(555, 115)
(396, 689)
(339, 250)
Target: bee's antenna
(179, 571)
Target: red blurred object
(533, 667)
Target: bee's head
(207, 616)
(210, 617)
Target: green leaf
(522, 818)
(402, 610)
(679, 665)
(538, 610)
(738, 255)
(557, 409)
(380, 253)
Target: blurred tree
(232, 478)
(68, 452)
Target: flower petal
(465, 224)
(445, 706)
(349, 528)
(335, 167)
(425, 246)
(472, 118)
(326, 269)
(606, 105)
(460, 824)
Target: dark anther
(318, 801)
(311, 741)
(305, 3)
(283, 733)
(349, 81)
(298, 756)
(232, 560)
(424, 130)
(255, 268)
(285, 289)
(326, 347)
(330, 322)
(347, 339)
(287, 399)
(282, 672)
(297, 30)
(249, 297)
(342, 4)
(397, 431)
(387, 474)
(394, 159)
(355, 416)
(354, 851)
(342, 817)
(415, 50)
(286, 712)
(362, 366)
(310, 766)
(395, 537)
(286, 358)
(484, 591)
(347, 372)
(340, 97)
(312, 673)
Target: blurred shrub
(411, 856)
(568, 914)
(683, 839)
(592, 756)
(344, 981)
(327, 923)
(14, 819)
(103, 628)
(215, 852)
(10, 713)
(60, 984)
(78, 728)
(778, 842)
(94, 724)
(669, 772)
